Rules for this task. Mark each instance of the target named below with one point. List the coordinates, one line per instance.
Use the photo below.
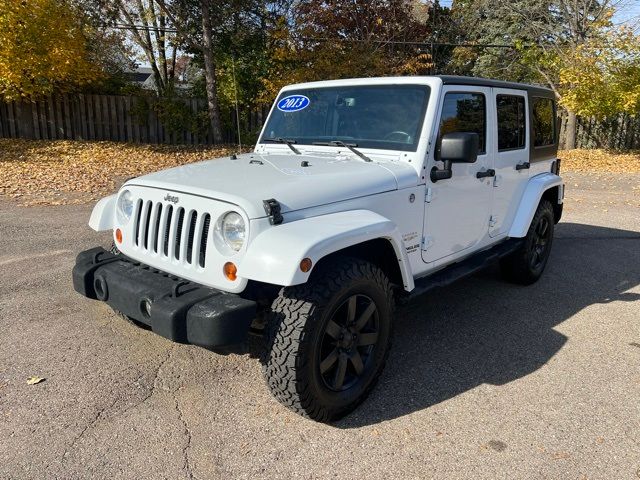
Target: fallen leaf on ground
(34, 380)
(599, 161)
(73, 172)
(64, 172)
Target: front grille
(175, 233)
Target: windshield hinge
(272, 209)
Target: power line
(426, 43)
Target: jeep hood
(252, 178)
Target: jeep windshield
(385, 117)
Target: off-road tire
(520, 267)
(297, 331)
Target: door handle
(487, 173)
(523, 166)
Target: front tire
(328, 339)
(525, 265)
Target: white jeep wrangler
(357, 192)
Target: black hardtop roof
(487, 82)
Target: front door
(458, 209)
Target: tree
(336, 39)
(149, 28)
(210, 30)
(545, 36)
(43, 48)
(603, 78)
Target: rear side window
(511, 122)
(544, 125)
(465, 112)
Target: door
(458, 209)
(511, 158)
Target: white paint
(103, 214)
(457, 216)
(530, 199)
(275, 254)
(338, 201)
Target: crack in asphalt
(187, 432)
(91, 424)
(86, 428)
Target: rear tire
(328, 340)
(526, 265)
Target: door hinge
(428, 195)
(492, 221)
(427, 242)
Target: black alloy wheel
(541, 243)
(349, 342)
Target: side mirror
(459, 147)
(455, 147)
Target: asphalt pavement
(485, 379)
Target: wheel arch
(544, 186)
(378, 251)
(102, 215)
(274, 256)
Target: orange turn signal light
(118, 235)
(306, 264)
(230, 271)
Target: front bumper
(179, 310)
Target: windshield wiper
(286, 141)
(350, 146)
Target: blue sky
(628, 11)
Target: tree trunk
(570, 131)
(210, 73)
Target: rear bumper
(179, 310)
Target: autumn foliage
(332, 39)
(42, 49)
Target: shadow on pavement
(483, 330)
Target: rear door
(511, 144)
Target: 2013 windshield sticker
(293, 103)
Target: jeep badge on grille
(171, 198)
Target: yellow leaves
(602, 76)
(42, 49)
(420, 64)
(34, 380)
(589, 161)
(68, 172)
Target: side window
(544, 125)
(465, 112)
(511, 122)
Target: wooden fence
(616, 133)
(109, 117)
(119, 118)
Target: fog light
(230, 271)
(118, 235)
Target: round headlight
(125, 206)
(232, 230)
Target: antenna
(235, 93)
